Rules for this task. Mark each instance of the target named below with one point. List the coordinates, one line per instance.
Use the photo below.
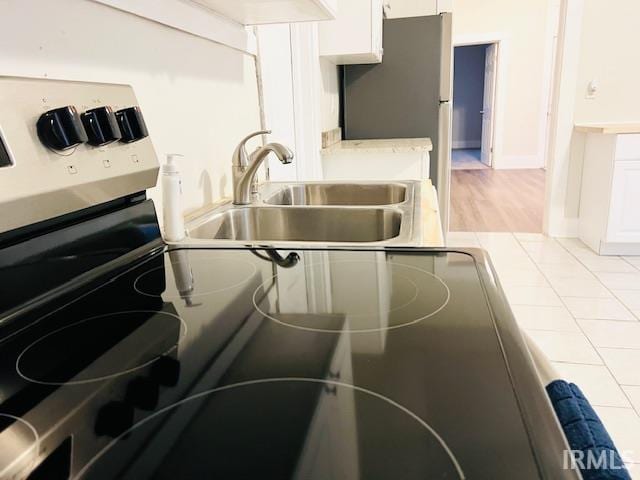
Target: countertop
(608, 128)
(387, 145)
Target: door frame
(500, 70)
(491, 49)
(559, 140)
(554, 24)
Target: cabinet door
(624, 215)
(252, 12)
(412, 8)
(377, 16)
(355, 36)
(382, 166)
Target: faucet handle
(240, 155)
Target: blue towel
(586, 433)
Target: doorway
(486, 196)
(474, 84)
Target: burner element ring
(192, 279)
(329, 384)
(444, 290)
(21, 360)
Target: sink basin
(309, 214)
(301, 224)
(339, 194)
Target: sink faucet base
(246, 166)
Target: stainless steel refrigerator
(408, 95)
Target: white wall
(609, 54)
(524, 63)
(468, 94)
(600, 44)
(198, 98)
(274, 44)
(301, 96)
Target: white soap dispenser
(174, 230)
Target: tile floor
(583, 311)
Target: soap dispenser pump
(174, 230)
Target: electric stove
(221, 363)
(122, 357)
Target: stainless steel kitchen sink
(340, 214)
(300, 224)
(344, 194)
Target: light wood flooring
(497, 200)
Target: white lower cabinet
(392, 159)
(624, 217)
(610, 195)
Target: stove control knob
(143, 393)
(114, 419)
(166, 371)
(101, 126)
(131, 124)
(61, 128)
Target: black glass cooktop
(230, 364)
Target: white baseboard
(463, 144)
(517, 161)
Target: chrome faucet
(246, 165)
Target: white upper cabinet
(355, 36)
(416, 8)
(259, 12)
